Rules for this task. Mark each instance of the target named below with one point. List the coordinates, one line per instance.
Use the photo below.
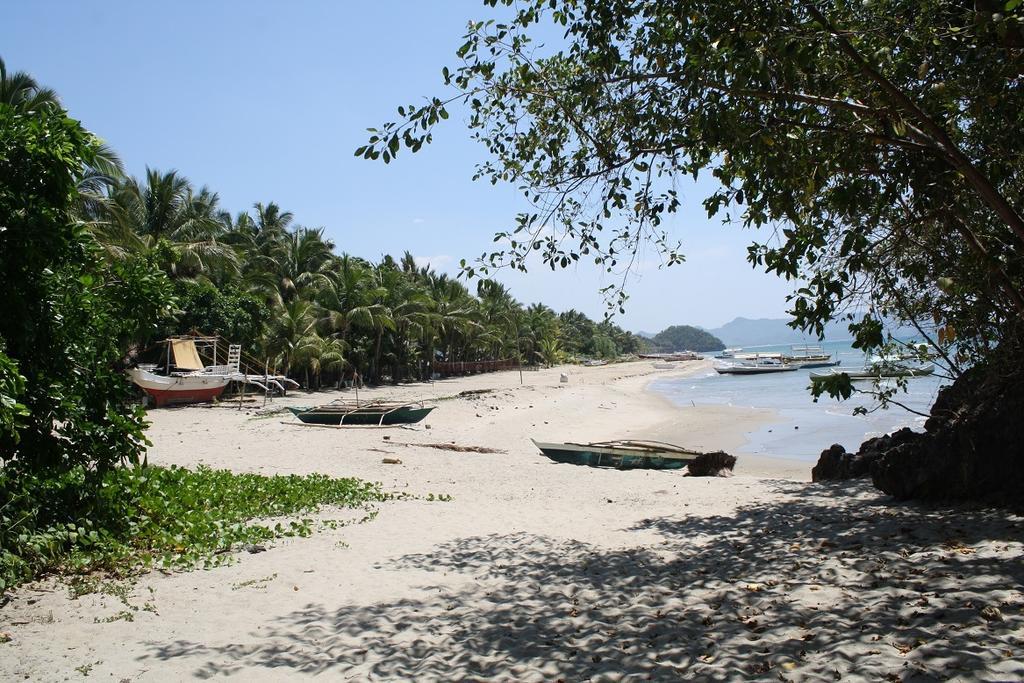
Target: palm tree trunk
(375, 374)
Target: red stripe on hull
(167, 396)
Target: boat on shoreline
(671, 357)
(179, 387)
(623, 455)
(351, 413)
(187, 379)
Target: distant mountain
(765, 331)
(686, 338)
(760, 331)
(645, 335)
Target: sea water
(804, 427)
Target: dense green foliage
(140, 517)
(65, 317)
(686, 338)
(281, 291)
(874, 141)
(226, 311)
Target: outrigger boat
(807, 357)
(756, 366)
(808, 365)
(187, 379)
(882, 370)
(671, 357)
(374, 413)
(623, 455)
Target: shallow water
(804, 428)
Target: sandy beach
(542, 571)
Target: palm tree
(451, 314)
(299, 258)
(167, 218)
(20, 90)
(550, 350)
(346, 294)
(291, 335)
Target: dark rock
(833, 463)
(973, 446)
(715, 464)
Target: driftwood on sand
(453, 447)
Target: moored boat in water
(623, 455)
(755, 366)
(811, 364)
(882, 370)
(808, 356)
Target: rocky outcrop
(836, 464)
(717, 464)
(972, 448)
(833, 464)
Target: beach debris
(6, 637)
(391, 461)
(386, 437)
(253, 548)
(473, 393)
(716, 464)
(991, 613)
(454, 447)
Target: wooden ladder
(234, 357)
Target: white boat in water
(878, 371)
(755, 366)
(808, 356)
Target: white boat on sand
(188, 380)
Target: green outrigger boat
(347, 413)
(623, 455)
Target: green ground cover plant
(156, 517)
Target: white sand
(540, 571)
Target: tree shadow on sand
(831, 583)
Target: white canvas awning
(185, 355)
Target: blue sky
(266, 101)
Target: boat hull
(617, 458)
(177, 389)
(754, 370)
(884, 373)
(406, 415)
(809, 365)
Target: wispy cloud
(439, 262)
(417, 221)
